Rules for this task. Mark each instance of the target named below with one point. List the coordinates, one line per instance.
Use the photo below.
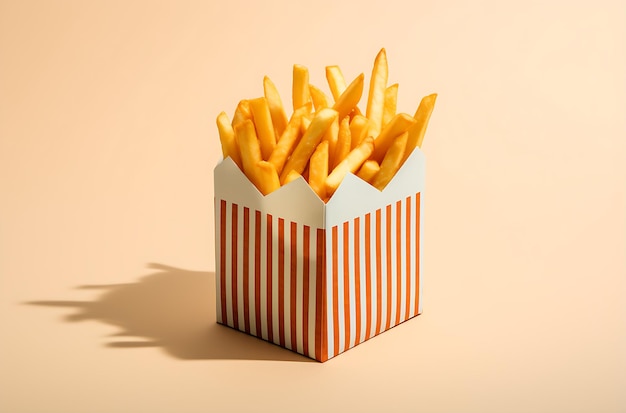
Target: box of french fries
(318, 214)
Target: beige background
(107, 144)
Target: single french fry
(319, 98)
(306, 122)
(351, 163)
(422, 116)
(368, 170)
(397, 126)
(291, 176)
(312, 137)
(242, 112)
(350, 97)
(263, 124)
(300, 88)
(227, 138)
(342, 148)
(332, 135)
(358, 130)
(391, 163)
(275, 103)
(376, 95)
(355, 112)
(288, 140)
(391, 102)
(267, 177)
(318, 169)
(336, 81)
(249, 147)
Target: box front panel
(373, 272)
(270, 278)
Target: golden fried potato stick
(242, 112)
(267, 177)
(318, 169)
(275, 103)
(336, 81)
(312, 137)
(300, 94)
(391, 101)
(397, 126)
(422, 116)
(228, 140)
(288, 140)
(376, 95)
(263, 125)
(344, 141)
(358, 130)
(332, 135)
(250, 149)
(350, 97)
(291, 176)
(320, 100)
(368, 170)
(391, 163)
(306, 122)
(351, 163)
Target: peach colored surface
(107, 144)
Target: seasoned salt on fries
(327, 135)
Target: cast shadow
(173, 309)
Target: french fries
(300, 90)
(359, 126)
(350, 97)
(242, 112)
(227, 137)
(344, 142)
(391, 163)
(287, 141)
(376, 96)
(368, 170)
(396, 126)
(300, 156)
(291, 176)
(332, 135)
(351, 163)
(318, 169)
(422, 116)
(320, 100)
(391, 101)
(264, 127)
(327, 135)
(267, 177)
(250, 149)
(275, 104)
(336, 81)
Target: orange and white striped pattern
(317, 291)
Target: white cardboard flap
(297, 202)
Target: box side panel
(373, 272)
(220, 259)
(321, 312)
(418, 230)
(270, 273)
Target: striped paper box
(312, 277)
